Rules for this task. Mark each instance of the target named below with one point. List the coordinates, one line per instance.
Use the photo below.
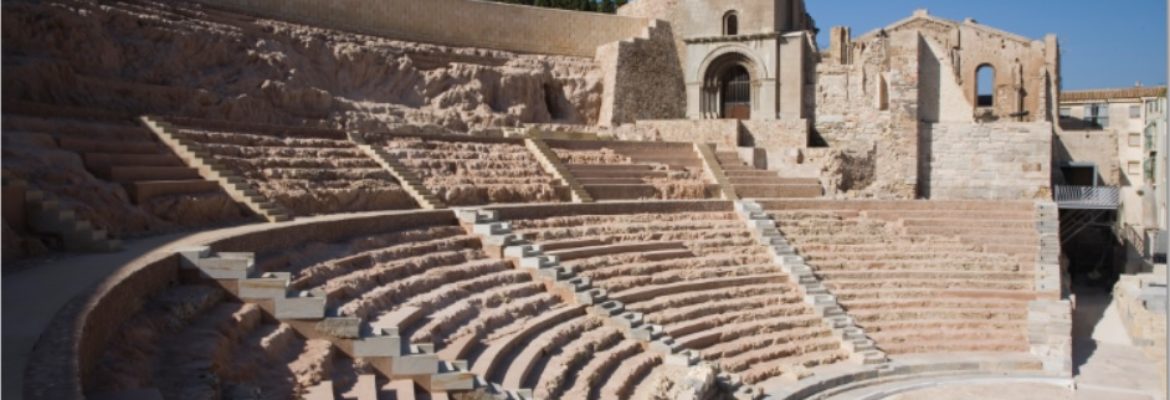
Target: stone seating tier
(922, 277)
(306, 171)
(473, 171)
(695, 274)
(636, 170)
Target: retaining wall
(468, 23)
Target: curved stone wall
(63, 362)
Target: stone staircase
(409, 181)
(749, 182)
(203, 165)
(563, 281)
(45, 214)
(853, 338)
(553, 166)
(378, 342)
(714, 169)
(114, 148)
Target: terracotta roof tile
(1108, 94)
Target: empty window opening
(883, 94)
(731, 24)
(553, 95)
(1097, 116)
(985, 86)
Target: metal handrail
(1088, 197)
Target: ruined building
(467, 199)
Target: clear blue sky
(1105, 43)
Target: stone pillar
(1050, 315)
(841, 45)
(791, 75)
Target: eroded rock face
(179, 58)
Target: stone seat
(612, 181)
(691, 321)
(132, 174)
(119, 130)
(105, 146)
(774, 191)
(740, 179)
(624, 168)
(953, 215)
(143, 191)
(58, 111)
(968, 231)
(517, 355)
(636, 192)
(871, 206)
(996, 223)
(624, 380)
(936, 273)
(703, 339)
(873, 295)
(96, 161)
(932, 283)
(636, 295)
(569, 254)
(958, 345)
(745, 172)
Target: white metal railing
(1088, 197)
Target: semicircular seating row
(696, 270)
(320, 171)
(312, 171)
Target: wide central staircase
(750, 182)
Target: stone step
(749, 173)
(618, 174)
(47, 110)
(107, 146)
(616, 248)
(778, 191)
(96, 161)
(143, 191)
(612, 181)
(76, 128)
(771, 180)
(607, 167)
(135, 174)
(320, 391)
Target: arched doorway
(735, 87)
(731, 84)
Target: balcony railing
(1088, 197)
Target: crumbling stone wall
(481, 24)
(1027, 72)
(643, 80)
(184, 59)
(900, 98)
(867, 109)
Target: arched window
(985, 86)
(731, 23)
(883, 93)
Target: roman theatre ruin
(459, 199)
